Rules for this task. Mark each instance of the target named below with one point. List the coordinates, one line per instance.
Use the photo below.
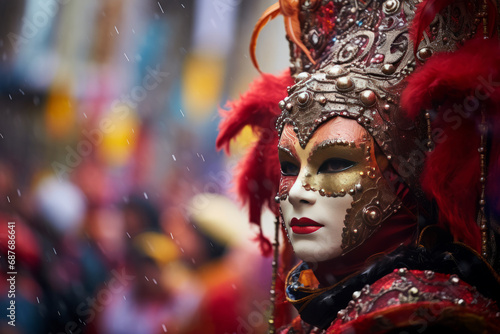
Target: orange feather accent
(289, 9)
(292, 27)
(267, 16)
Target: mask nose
(298, 195)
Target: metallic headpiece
(363, 53)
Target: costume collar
(319, 305)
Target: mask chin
(326, 242)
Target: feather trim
(458, 93)
(258, 173)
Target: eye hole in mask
(335, 165)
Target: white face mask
(320, 183)
(314, 223)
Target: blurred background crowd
(124, 217)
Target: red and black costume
(423, 78)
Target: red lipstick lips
(304, 225)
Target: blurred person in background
(218, 251)
(152, 302)
(72, 268)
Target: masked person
(383, 167)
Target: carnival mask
(359, 55)
(332, 192)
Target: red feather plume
(452, 170)
(258, 173)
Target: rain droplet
(54, 250)
(38, 300)
(124, 298)
(126, 56)
(85, 115)
(161, 7)
(202, 158)
(171, 236)
(164, 328)
(18, 192)
(10, 97)
(129, 236)
(145, 196)
(173, 157)
(117, 31)
(182, 5)
(155, 282)
(146, 278)
(8, 199)
(21, 91)
(181, 112)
